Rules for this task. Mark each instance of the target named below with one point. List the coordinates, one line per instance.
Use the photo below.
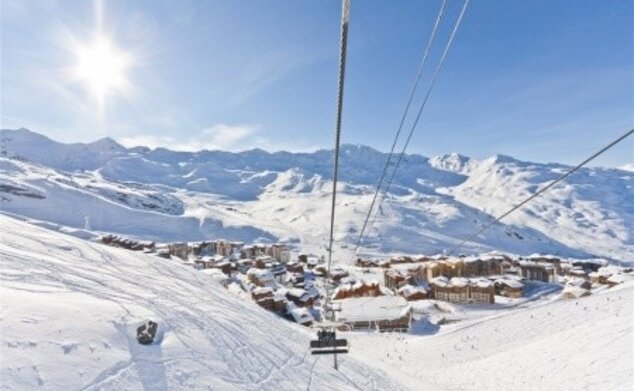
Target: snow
(70, 307)
(575, 291)
(551, 344)
(372, 308)
(256, 195)
(511, 283)
(628, 167)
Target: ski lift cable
(537, 194)
(403, 117)
(327, 342)
(421, 109)
(345, 17)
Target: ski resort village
(391, 294)
(175, 213)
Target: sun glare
(101, 66)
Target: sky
(546, 81)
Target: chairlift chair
(328, 343)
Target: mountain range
(255, 195)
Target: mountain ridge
(432, 204)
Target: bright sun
(102, 67)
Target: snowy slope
(165, 195)
(69, 310)
(594, 210)
(583, 344)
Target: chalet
(224, 266)
(580, 282)
(128, 244)
(180, 250)
(296, 280)
(401, 259)
(590, 266)
(618, 278)
(260, 277)
(278, 269)
(574, 292)
(385, 313)
(602, 275)
(247, 252)
(366, 263)
(599, 277)
(578, 272)
(263, 261)
(201, 263)
(261, 293)
(203, 248)
(279, 303)
(411, 293)
(358, 289)
(223, 247)
(279, 252)
(463, 290)
(303, 297)
(268, 303)
(320, 270)
(507, 267)
(481, 291)
(235, 247)
(548, 259)
(537, 271)
(244, 265)
(509, 288)
(395, 278)
(385, 264)
(314, 260)
(295, 267)
(295, 296)
(299, 315)
(454, 291)
(480, 266)
(418, 274)
(337, 274)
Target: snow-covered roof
(459, 282)
(408, 290)
(575, 291)
(481, 283)
(440, 281)
(511, 283)
(618, 278)
(575, 281)
(536, 264)
(261, 274)
(300, 315)
(372, 308)
(296, 292)
(262, 290)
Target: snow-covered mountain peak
(106, 143)
(433, 203)
(454, 162)
(502, 159)
(627, 167)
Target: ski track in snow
(96, 295)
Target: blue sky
(538, 80)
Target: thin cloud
(218, 137)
